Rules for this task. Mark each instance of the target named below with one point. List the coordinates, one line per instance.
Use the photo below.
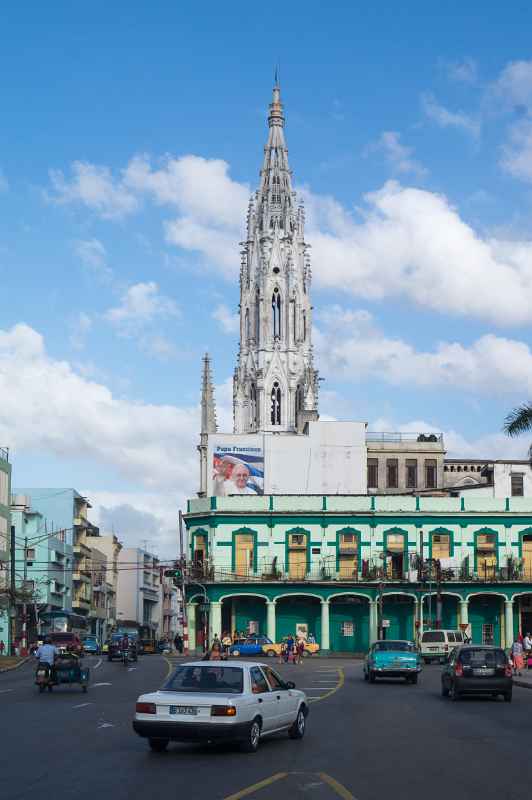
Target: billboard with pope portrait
(237, 468)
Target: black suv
(477, 669)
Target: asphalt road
(363, 741)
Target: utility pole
(12, 592)
(183, 561)
(24, 648)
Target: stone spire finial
(208, 406)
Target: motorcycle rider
(46, 653)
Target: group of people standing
(521, 653)
(292, 650)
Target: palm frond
(519, 420)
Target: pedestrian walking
(527, 647)
(216, 650)
(226, 642)
(178, 643)
(517, 657)
(290, 645)
(300, 649)
(2, 647)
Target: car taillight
(458, 670)
(446, 648)
(223, 711)
(145, 708)
(508, 670)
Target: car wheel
(412, 679)
(305, 653)
(426, 660)
(271, 653)
(235, 653)
(158, 745)
(251, 743)
(297, 729)
(371, 676)
(444, 691)
(84, 689)
(508, 697)
(365, 675)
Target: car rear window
(207, 680)
(395, 645)
(450, 636)
(459, 637)
(483, 658)
(433, 636)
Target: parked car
(392, 659)
(272, 649)
(91, 645)
(250, 646)
(477, 669)
(437, 644)
(147, 646)
(208, 701)
(67, 642)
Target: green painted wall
(401, 616)
(247, 610)
(291, 611)
(485, 610)
(356, 613)
(449, 614)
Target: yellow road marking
(170, 668)
(340, 790)
(257, 786)
(341, 681)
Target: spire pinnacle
(276, 116)
(208, 406)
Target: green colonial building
(340, 567)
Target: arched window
(253, 405)
(276, 404)
(246, 326)
(299, 399)
(304, 326)
(276, 314)
(257, 319)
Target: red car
(67, 641)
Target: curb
(15, 666)
(522, 684)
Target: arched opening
(398, 617)
(440, 611)
(257, 319)
(485, 614)
(298, 614)
(299, 401)
(304, 326)
(253, 406)
(244, 615)
(276, 313)
(246, 326)
(276, 404)
(349, 624)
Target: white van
(436, 645)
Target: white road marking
(101, 684)
(131, 669)
(98, 664)
(4, 691)
(106, 725)
(82, 705)
(315, 688)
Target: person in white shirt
(527, 646)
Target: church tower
(275, 386)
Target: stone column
(215, 620)
(270, 619)
(191, 619)
(373, 621)
(509, 622)
(464, 612)
(325, 633)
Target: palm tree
(519, 421)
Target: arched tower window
(257, 319)
(253, 405)
(276, 314)
(304, 326)
(276, 404)
(246, 326)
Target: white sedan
(212, 700)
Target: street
(362, 741)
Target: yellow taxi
(274, 649)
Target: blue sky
(131, 135)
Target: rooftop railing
(375, 436)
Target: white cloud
(75, 418)
(141, 303)
(158, 346)
(93, 255)
(413, 243)
(450, 119)
(93, 186)
(398, 155)
(139, 518)
(517, 151)
(229, 323)
(79, 329)
(514, 85)
(349, 343)
(465, 71)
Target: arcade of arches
(348, 621)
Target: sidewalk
(8, 663)
(524, 680)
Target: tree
(519, 421)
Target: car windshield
(408, 647)
(207, 680)
(433, 636)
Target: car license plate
(189, 710)
(434, 649)
(483, 672)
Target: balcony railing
(379, 571)
(375, 436)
